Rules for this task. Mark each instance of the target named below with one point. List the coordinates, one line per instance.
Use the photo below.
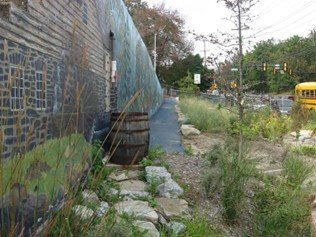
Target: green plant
(150, 199)
(282, 210)
(97, 155)
(188, 150)
(305, 150)
(296, 171)
(198, 226)
(204, 115)
(152, 187)
(234, 174)
(155, 155)
(214, 154)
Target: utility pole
(155, 52)
(205, 50)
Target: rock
(133, 188)
(175, 228)
(102, 209)
(83, 212)
(182, 119)
(189, 130)
(133, 174)
(113, 192)
(173, 208)
(136, 208)
(170, 189)
(275, 172)
(157, 173)
(161, 219)
(124, 175)
(90, 197)
(118, 177)
(148, 228)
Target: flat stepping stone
(157, 174)
(139, 209)
(133, 188)
(124, 175)
(170, 189)
(148, 228)
(173, 208)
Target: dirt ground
(189, 171)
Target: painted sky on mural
(272, 19)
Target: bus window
(313, 93)
(303, 93)
(307, 94)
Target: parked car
(283, 105)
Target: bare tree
(240, 18)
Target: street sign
(197, 78)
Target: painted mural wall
(134, 65)
(55, 69)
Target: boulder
(175, 228)
(170, 189)
(133, 188)
(189, 130)
(148, 229)
(90, 197)
(139, 209)
(102, 209)
(157, 174)
(173, 208)
(83, 212)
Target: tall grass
(204, 115)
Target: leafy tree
(167, 25)
(179, 69)
(187, 85)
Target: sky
(278, 19)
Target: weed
(152, 187)
(97, 156)
(214, 154)
(154, 157)
(151, 201)
(188, 150)
(199, 227)
(203, 115)
(282, 210)
(296, 171)
(305, 150)
(234, 174)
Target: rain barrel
(129, 138)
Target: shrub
(198, 226)
(296, 171)
(282, 205)
(282, 210)
(234, 174)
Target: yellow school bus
(305, 94)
